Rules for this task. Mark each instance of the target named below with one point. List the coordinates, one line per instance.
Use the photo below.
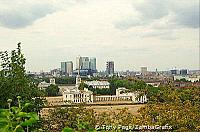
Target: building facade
(144, 70)
(110, 67)
(74, 95)
(69, 67)
(43, 85)
(122, 94)
(98, 84)
(78, 62)
(63, 68)
(183, 72)
(93, 64)
(85, 63)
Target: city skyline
(132, 33)
(142, 69)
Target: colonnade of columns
(78, 98)
(142, 99)
(112, 98)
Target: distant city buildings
(43, 85)
(78, 62)
(67, 68)
(174, 72)
(93, 64)
(86, 65)
(63, 68)
(98, 84)
(55, 72)
(144, 70)
(183, 72)
(110, 67)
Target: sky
(161, 34)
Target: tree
(15, 119)
(82, 86)
(65, 80)
(71, 118)
(14, 81)
(52, 90)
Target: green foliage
(14, 119)
(82, 86)
(65, 80)
(182, 80)
(98, 91)
(52, 90)
(77, 118)
(13, 79)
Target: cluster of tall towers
(82, 63)
(84, 66)
(86, 63)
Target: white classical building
(98, 84)
(123, 94)
(78, 96)
(43, 85)
(74, 95)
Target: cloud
(22, 14)
(188, 16)
(14, 18)
(128, 23)
(165, 34)
(153, 9)
(179, 14)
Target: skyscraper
(85, 63)
(69, 65)
(144, 70)
(93, 64)
(110, 67)
(63, 68)
(78, 62)
(66, 68)
(174, 72)
(183, 71)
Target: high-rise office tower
(78, 62)
(110, 67)
(66, 68)
(85, 63)
(174, 72)
(183, 71)
(144, 70)
(69, 65)
(63, 68)
(93, 64)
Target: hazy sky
(155, 33)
